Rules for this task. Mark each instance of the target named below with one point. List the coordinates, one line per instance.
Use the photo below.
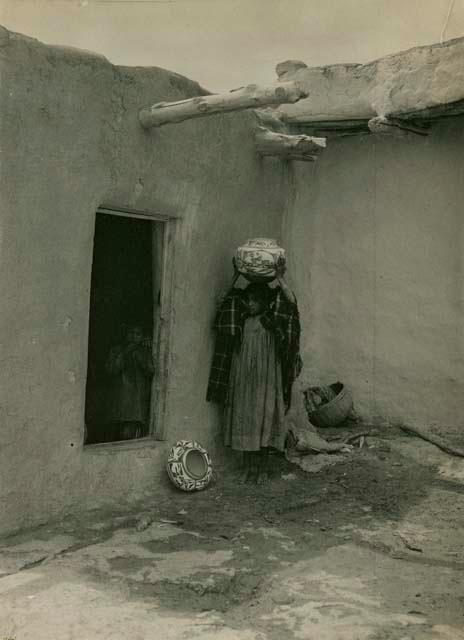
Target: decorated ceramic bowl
(257, 259)
(189, 466)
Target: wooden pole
(269, 119)
(394, 127)
(290, 147)
(248, 97)
(436, 440)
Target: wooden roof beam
(395, 127)
(249, 97)
(288, 147)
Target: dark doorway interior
(120, 360)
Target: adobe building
(108, 218)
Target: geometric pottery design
(189, 466)
(258, 258)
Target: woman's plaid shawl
(281, 318)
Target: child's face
(255, 306)
(135, 335)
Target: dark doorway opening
(123, 304)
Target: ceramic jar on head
(257, 259)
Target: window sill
(122, 445)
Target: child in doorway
(131, 368)
(255, 363)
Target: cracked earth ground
(368, 548)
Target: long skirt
(254, 409)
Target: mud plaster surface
(70, 131)
(369, 548)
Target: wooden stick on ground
(436, 440)
(355, 436)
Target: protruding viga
(290, 147)
(394, 127)
(248, 97)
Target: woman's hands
(222, 296)
(281, 268)
(236, 271)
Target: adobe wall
(373, 230)
(376, 239)
(70, 142)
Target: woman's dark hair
(259, 291)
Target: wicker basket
(334, 412)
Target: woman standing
(255, 363)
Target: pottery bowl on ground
(189, 466)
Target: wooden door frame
(162, 313)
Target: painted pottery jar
(189, 466)
(257, 259)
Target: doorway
(125, 299)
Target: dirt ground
(363, 546)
